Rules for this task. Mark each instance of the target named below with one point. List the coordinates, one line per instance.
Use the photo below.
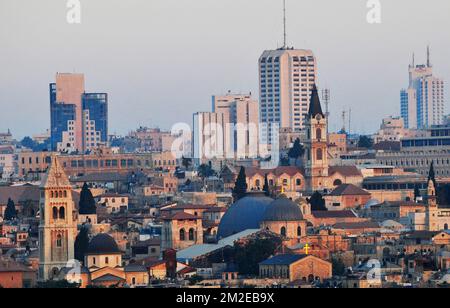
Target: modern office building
(286, 80)
(417, 153)
(422, 104)
(79, 120)
(95, 120)
(243, 112)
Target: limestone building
(58, 226)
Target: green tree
(297, 151)
(87, 203)
(206, 170)
(365, 142)
(240, 187)
(27, 142)
(249, 255)
(81, 244)
(10, 211)
(266, 187)
(317, 202)
(338, 267)
(186, 162)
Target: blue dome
(283, 209)
(245, 214)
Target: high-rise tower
(422, 104)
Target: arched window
(337, 182)
(191, 234)
(283, 231)
(298, 182)
(182, 235)
(93, 260)
(446, 227)
(60, 194)
(65, 194)
(299, 231)
(318, 134)
(55, 213)
(319, 154)
(51, 194)
(106, 260)
(59, 241)
(133, 280)
(62, 213)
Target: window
(298, 182)
(283, 231)
(106, 260)
(319, 154)
(62, 213)
(318, 134)
(337, 182)
(59, 241)
(446, 227)
(182, 235)
(55, 213)
(191, 234)
(299, 231)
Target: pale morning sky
(161, 60)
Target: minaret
(316, 158)
(57, 228)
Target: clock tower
(316, 145)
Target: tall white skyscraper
(286, 79)
(422, 104)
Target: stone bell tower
(432, 206)
(57, 228)
(316, 145)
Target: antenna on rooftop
(326, 99)
(284, 24)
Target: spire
(428, 56)
(314, 106)
(432, 175)
(55, 177)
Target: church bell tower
(316, 157)
(57, 228)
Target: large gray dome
(283, 209)
(245, 214)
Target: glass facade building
(60, 116)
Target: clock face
(318, 117)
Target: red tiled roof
(349, 190)
(334, 214)
(181, 216)
(357, 225)
(344, 170)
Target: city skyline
(133, 72)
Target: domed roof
(247, 213)
(283, 209)
(102, 244)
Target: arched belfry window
(55, 213)
(65, 194)
(319, 154)
(62, 213)
(319, 134)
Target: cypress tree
(10, 211)
(240, 187)
(81, 244)
(87, 202)
(266, 187)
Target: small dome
(246, 213)
(283, 209)
(102, 244)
